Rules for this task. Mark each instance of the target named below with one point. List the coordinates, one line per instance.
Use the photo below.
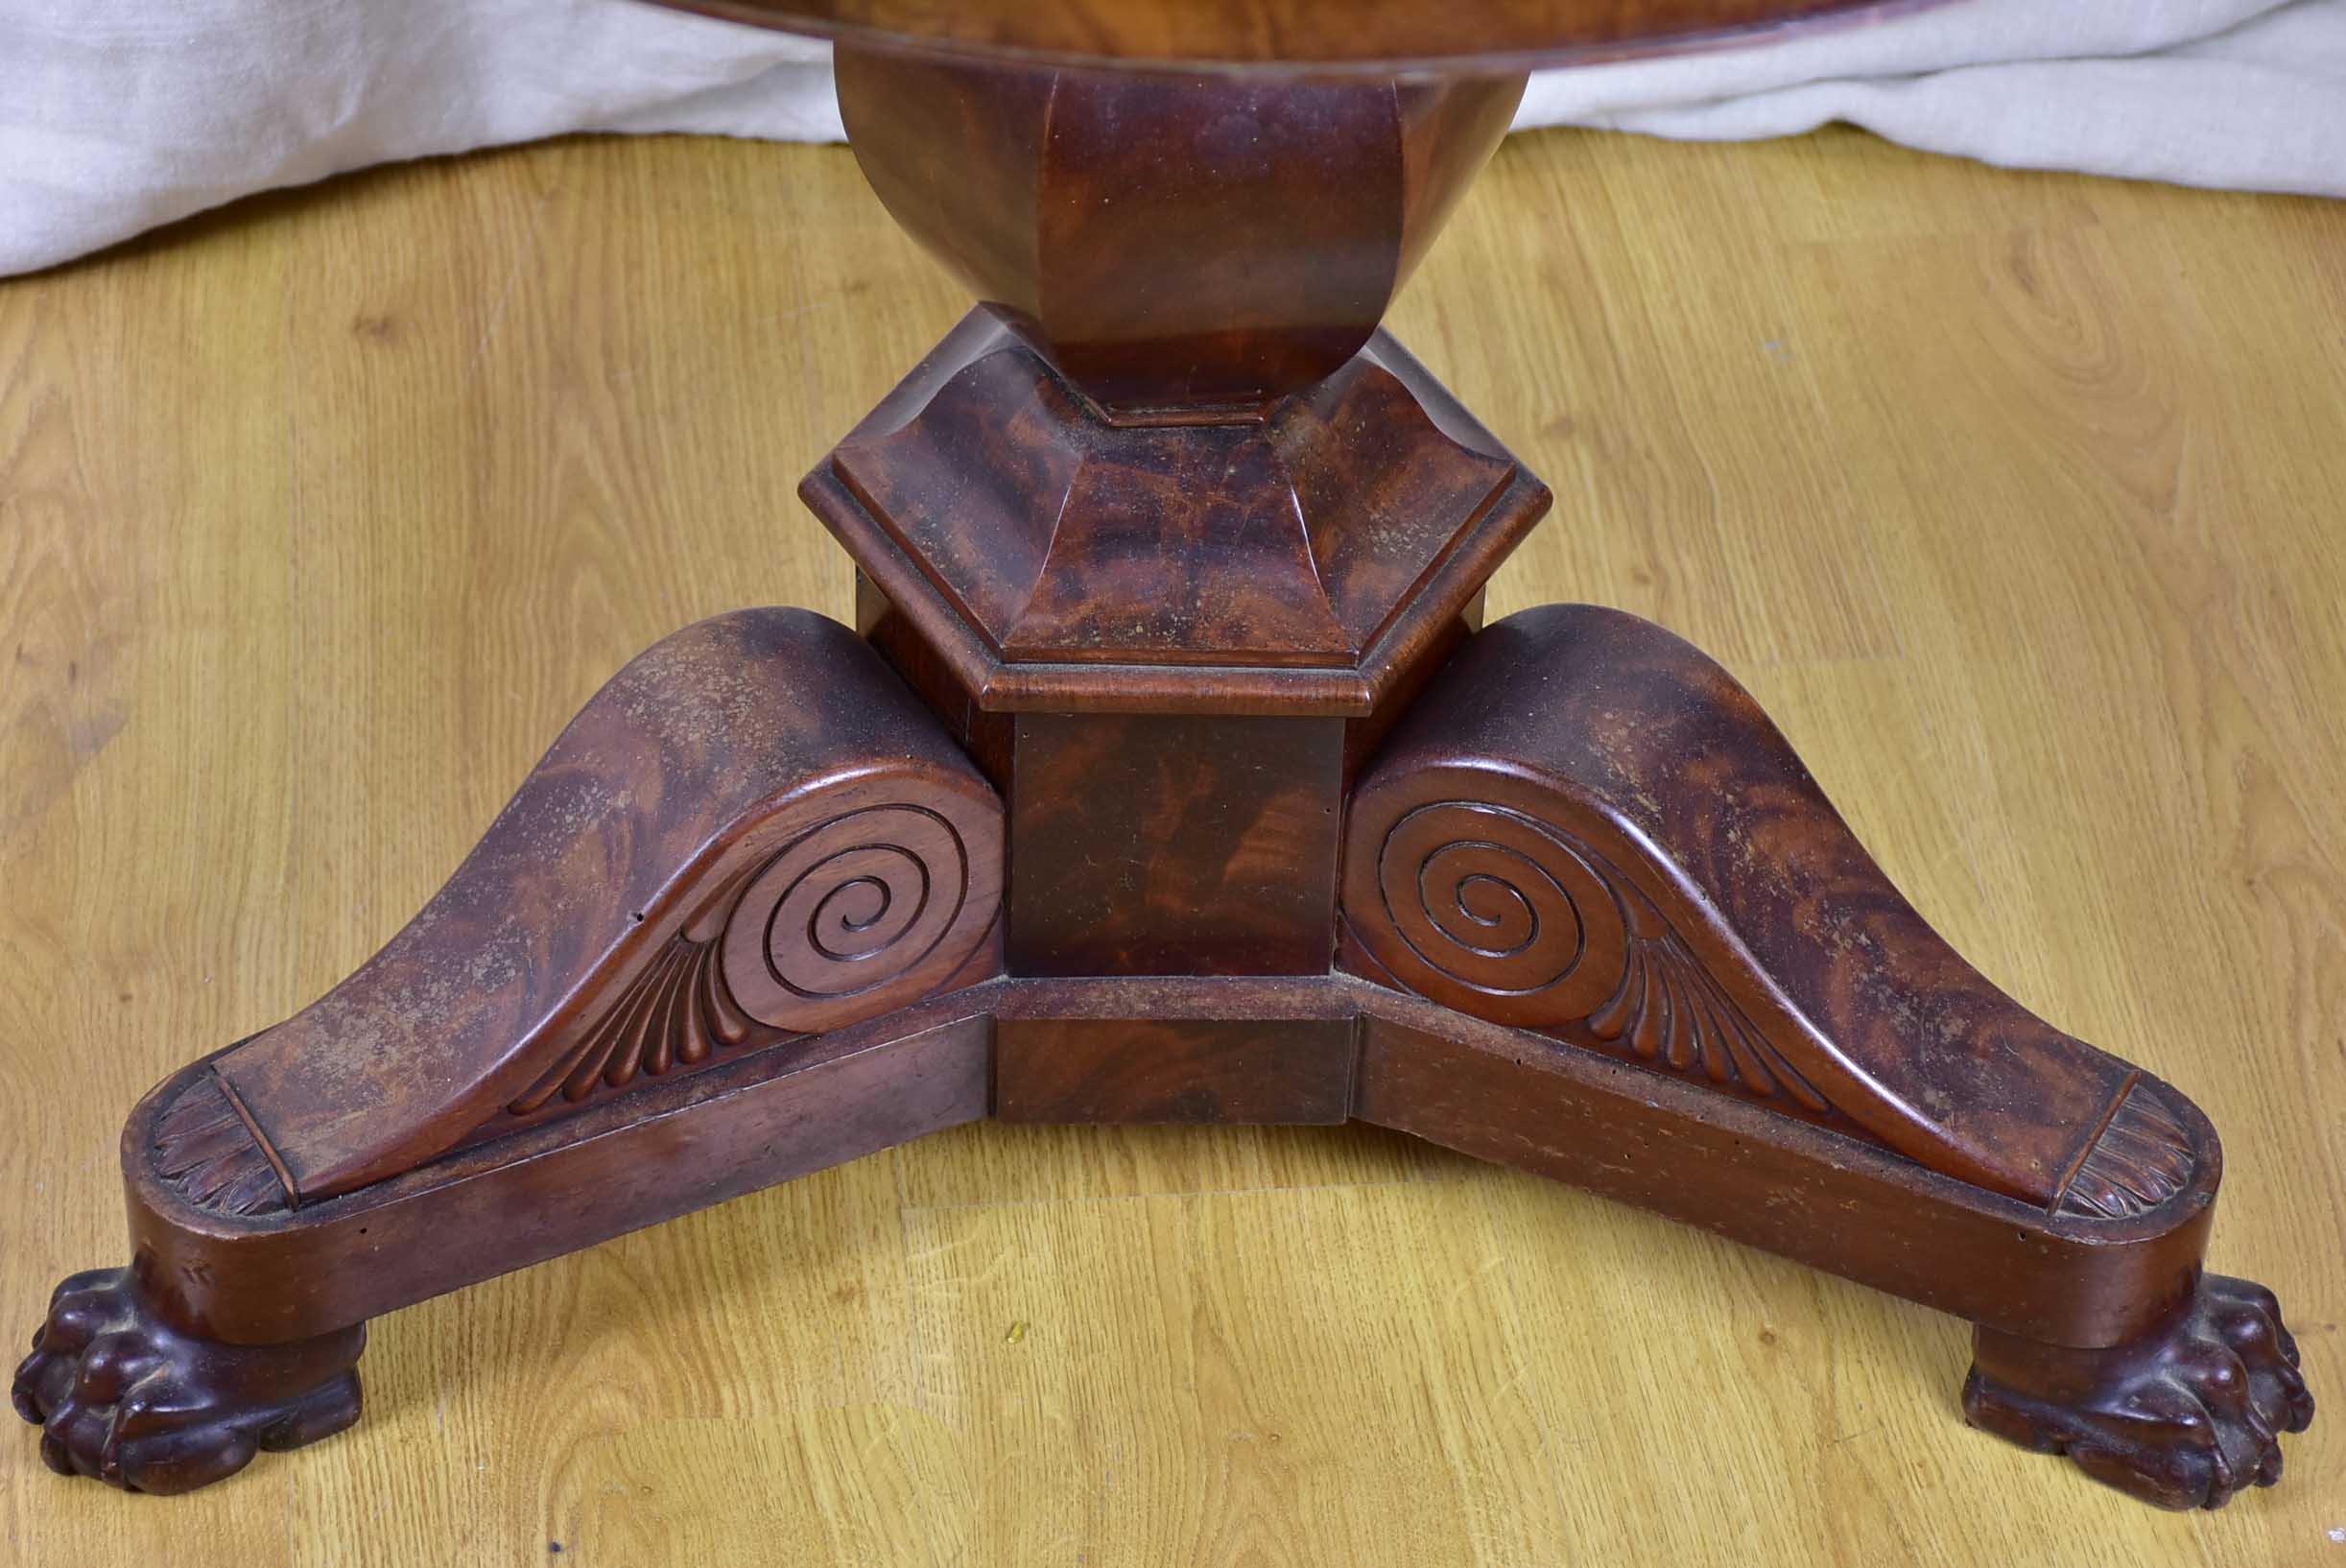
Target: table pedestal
(1171, 778)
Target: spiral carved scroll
(868, 910)
(1513, 919)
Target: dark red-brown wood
(2220, 1373)
(1223, 1071)
(1173, 844)
(1183, 288)
(1171, 563)
(1367, 35)
(1587, 827)
(1042, 560)
(1659, 1141)
(753, 833)
(128, 1398)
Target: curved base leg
(1589, 833)
(688, 960)
(2184, 1418)
(123, 1395)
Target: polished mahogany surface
(1460, 36)
(1175, 779)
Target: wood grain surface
(1487, 35)
(2015, 499)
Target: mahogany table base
(1170, 780)
(1649, 954)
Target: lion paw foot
(2182, 1419)
(125, 1396)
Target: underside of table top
(1460, 36)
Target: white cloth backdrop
(116, 115)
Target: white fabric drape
(117, 115)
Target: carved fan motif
(856, 915)
(679, 1010)
(1545, 933)
(204, 1149)
(2142, 1159)
(1669, 1011)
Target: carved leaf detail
(1668, 1009)
(678, 1012)
(1510, 918)
(861, 913)
(205, 1150)
(2142, 1159)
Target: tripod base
(745, 921)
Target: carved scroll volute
(1502, 913)
(872, 909)
(1478, 898)
(1184, 248)
(875, 898)
(755, 831)
(1587, 828)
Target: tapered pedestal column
(1167, 529)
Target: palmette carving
(204, 1148)
(2140, 1159)
(1232, 500)
(678, 1013)
(1669, 1009)
(850, 920)
(1549, 935)
(1588, 828)
(858, 915)
(753, 833)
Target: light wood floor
(2018, 498)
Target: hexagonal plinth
(1304, 562)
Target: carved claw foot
(2182, 1419)
(124, 1395)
